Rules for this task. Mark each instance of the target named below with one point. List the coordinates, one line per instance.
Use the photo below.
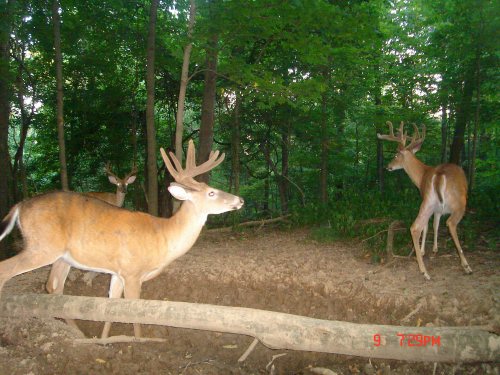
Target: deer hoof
(467, 269)
(426, 275)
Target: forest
(293, 92)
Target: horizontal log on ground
(275, 330)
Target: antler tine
(417, 138)
(391, 136)
(173, 171)
(191, 156)
(132, 172)
(108, 171)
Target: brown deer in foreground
(133, 247)
(60, 269)
(443, 190)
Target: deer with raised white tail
(443, 189)
(133, 247)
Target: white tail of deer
(133, 247)
(60, 269)
(443, 190)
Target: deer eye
(211, 194)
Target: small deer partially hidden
(118, 198)
(60, 269)
(133, 247)
(443, 190)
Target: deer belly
(74, 263)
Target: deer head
(403, 150)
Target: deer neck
(120, 198)
(415, 169)
(184, 228)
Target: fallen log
(273, 329)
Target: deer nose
(242, 201)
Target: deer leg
(24, 262)
(437, 218)
(452, 223)
(55, 284)
(424, 237)
(133, 291)
(115, 291)
(416, 230)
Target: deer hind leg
(115, 291)
(419, 226)
(452, 223)
(24, 262)
(55, 284)
(424, 236)
(133, 291)
(437, 218)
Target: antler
(107, 169)
(417, 139)
(133, 172)
(400, 137)
(185, 176)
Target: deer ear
(131, 179)
(178, 191)
(112, 179)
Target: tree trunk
(275, 330)
(444, 131)
(179, 130)
(150, 120)
(235, 146)
(208, 107)
(323, 177)
(6, 183)
(380, 147)
(59, 88)
(462, 117)
(472, 162)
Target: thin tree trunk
(472, 162)
(179, 130)
(380, 146)
(208, 107)
(150, 120)
(6, 183)
(235, 146)
(59, 88)
(462, 117)
(323, 178)
(18, 157)
(444, 131)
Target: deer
(118, 198)
(443, 190)
(60, 269)
(133, 247)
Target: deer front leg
(115, 291)
(133, 291)
(424, 237)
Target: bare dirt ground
(283, 271)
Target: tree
(150, 108)
(59, 92)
